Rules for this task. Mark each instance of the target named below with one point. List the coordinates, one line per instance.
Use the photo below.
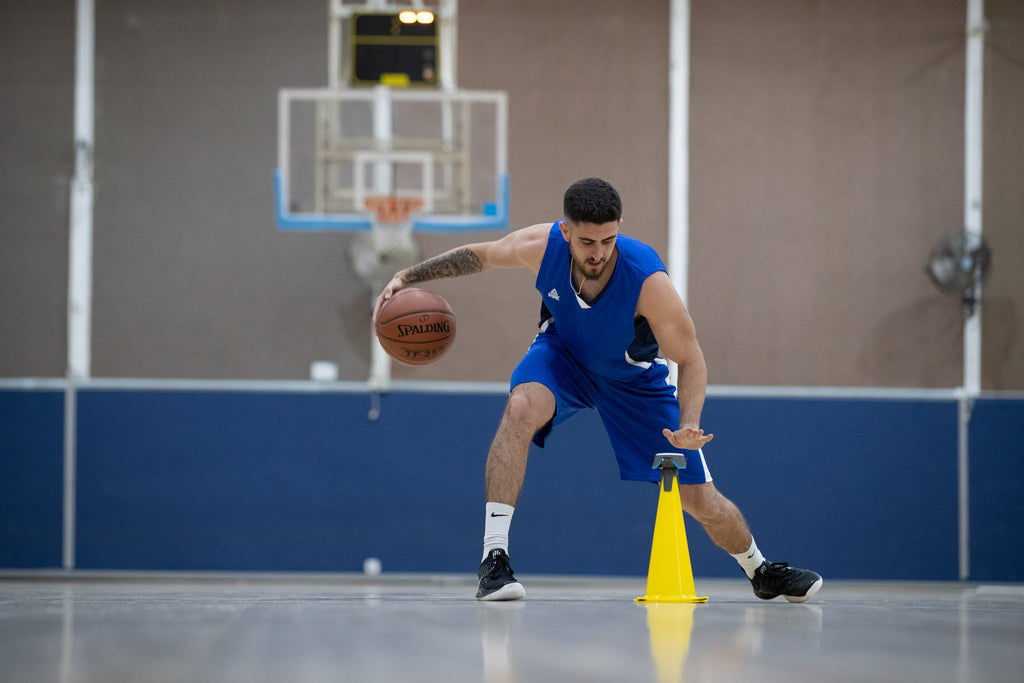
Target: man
(609, 317)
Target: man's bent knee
(530, 406)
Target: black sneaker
(496, 579)
(778, 578)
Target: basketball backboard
(391, 145)
(338, 146)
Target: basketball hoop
(392, 210)
(389, 245)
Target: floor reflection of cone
(670, 577)
(495, 632)
(670, 626)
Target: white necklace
(582, 280)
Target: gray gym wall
(826, 158)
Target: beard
(588, 270)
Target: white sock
(496, 523)
(751, 559)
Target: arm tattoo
(462, 261)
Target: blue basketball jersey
(604, 336)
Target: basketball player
(609, 317)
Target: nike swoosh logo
(750, 556)
(495, 514)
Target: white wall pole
(679, 152)
(974, 82)
(973, 149)
(79, 258)
(80, 240)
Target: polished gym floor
(247, 628)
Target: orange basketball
(415, 327)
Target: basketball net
(392, 211)
(389, 245)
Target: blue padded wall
(305, 481)
(31, 478)
(997, 490)
(853, 489)
(283, 482)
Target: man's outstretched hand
(690, 438)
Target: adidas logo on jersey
(553, 294)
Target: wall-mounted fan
(959, 263)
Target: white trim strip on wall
(448, 387)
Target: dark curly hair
(592, 200)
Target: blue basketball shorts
(633, 412)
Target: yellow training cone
(670, 578)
